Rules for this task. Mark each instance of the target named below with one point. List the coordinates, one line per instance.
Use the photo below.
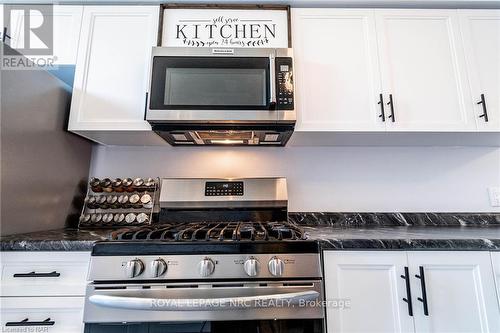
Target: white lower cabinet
(43, 291)
(42, 314)
(450, 291)
(371, 281)
(44, 273)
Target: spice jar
(150, 183)
(127, 184)
(142, 218)
(117, 185)
(146, 201)
(123, 201)
(95, 185)
(106, 185)
(107, 218)
(101, 202)
(96, 218)
(134, 201)
(112, 201)
(84, 218)
(130, 218)
(119, 218)
(91, 202)
(138, 184)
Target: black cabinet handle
(381, 103)
(33, 274)
(146, 106)
(4, 34)
(485, 111)
(423, 299)
(26, 322)
(391, 103)
(406, 277)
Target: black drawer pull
(4, 35)
(33, 274)
(423, 299)
(391, 103)
(381, 103)
(406, 277)
(26, 322)
(485, 111)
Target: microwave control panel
(284, 86)
(223, 188)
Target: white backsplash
(335, 179)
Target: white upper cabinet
(336, 64)
(423, 69)
(66, 32)
(112, 71)
(371, 281)
(459, 292)
(346, 58)
(481, 38)
(66, 26)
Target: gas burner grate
(213, 231)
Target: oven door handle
(200, 304)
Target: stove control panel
(196, 266)
(223, 188)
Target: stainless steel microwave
(217, 96)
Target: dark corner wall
(43, 167)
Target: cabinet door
(460, 292)
(371, 281)
(481, 37)
(423, 67)
(61, 314)
(66, 32)
(495, 259)
(337, 71)
(112, 68)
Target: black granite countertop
(329, 237)
(406, 238)
(53, 240)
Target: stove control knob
(276, 267)
(251, 267)
(158, 267)
(206, 267)
(134, 268)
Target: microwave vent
(225, 135)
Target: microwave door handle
(272, 79)
(200, 304)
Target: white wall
(335, 179)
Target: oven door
(253, 306)
(198, 85)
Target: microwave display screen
(215, 86)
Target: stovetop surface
(212, 232)
(207, 238)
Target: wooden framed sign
(225, 26)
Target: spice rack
(119, 202)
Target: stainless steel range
(221, 258)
